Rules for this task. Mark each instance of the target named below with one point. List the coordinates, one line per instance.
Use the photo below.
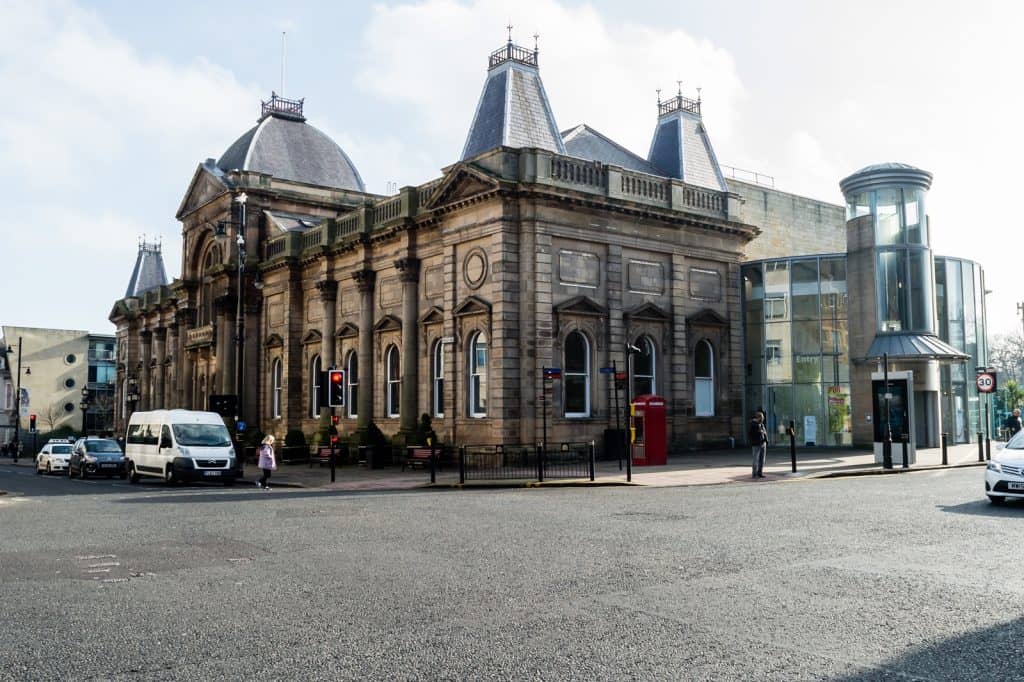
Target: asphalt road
(912, 576)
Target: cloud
(594, 72)
(98, 150)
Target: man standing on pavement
(1013, 424)
(758, 443)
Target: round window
(69, 407)
(69, 383)
(70, 358)
(475, 268)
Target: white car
(1004, 475)
(53, 457)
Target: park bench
(323, 456)
(419, 456)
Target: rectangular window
(891, 291)
(888, 226)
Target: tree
(1014, 394)
(1007, 355)
(50, 415)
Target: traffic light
(335, 419)
(31, 422)
(335, 388)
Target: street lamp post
(17, 404)
(239, 311)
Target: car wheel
(169, 476)
(38, 470)
(49, 469)
(996, 499)
(133, 476)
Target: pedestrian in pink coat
(268, 462)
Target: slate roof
(584, 142)
(289, 148)
(292, 222)
(513, 110)
(913, 346)
(681, 149)
(149, 272)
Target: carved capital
(408, 269)
(328, 289)
(186, 317)
(364, 279)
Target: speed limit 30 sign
(986, 382)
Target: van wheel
(133, 476)
(169, 476)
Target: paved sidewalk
(702, 468)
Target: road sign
(552, 372)
(607, 370)
(620, 376)
(240, 426)
(986, 382)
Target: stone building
(537, 248)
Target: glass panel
(806, 369)
(754, 349)
(887, 217)
(805, 290)
(835, 346)
(970, 330)
(776, 291)
(961, 425)
(575, 394)
(858, 206)
(778, 353)
(755, 400)
(916, 234)
(575, 353)
(940, 300)
(806, 338)
(811, 424)
(394, 369)
(702, 361)
(979, 316)
(833, 287)
(891, 295)
(704, 400)
(778, 412)
(922, 314)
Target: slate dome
(283, 145)
(885, 174)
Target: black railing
(280, 105)
(512, 53)
(526, 462)
(679, 103)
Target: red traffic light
(335, 419)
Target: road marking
(105, 563)
(95, 556)
(99, 570)
(114, 580)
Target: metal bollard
(988, 447)
(887, 451)
(792, 444)
(906, 450)
(945, 455)
(433, 464)
(981, 447)
(591, 457)
(334, 458)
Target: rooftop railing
(679, 103)
(512, 53)
(279, 105)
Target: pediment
(474, 305)
(707, 318)
(347, 331)
(273, 341)
(204, 187)
(581, 305)
(312, 336)
(119, 310)
(388, 323)
(433, 316)
(462, 182)
(648, 311)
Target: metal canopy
(908, 346)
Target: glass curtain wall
(959, 295)
(796, 340)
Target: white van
(179, 445)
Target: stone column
(159, 353)
(186, 391)
(365, 280)
(171, 378)
(145, 357)
(409, 273)
(225, 347)
(328, 298)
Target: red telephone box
(648, 446)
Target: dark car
(96, 457)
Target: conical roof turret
(149, 272)
(513, 110)
(681, 147)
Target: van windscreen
(201, 435)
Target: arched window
(275, 388)
(478, 375)
(206, 289)
(644, 367)
(576, 376)
(394, 379)
(352, 377)
(704, 379)
(315, 367)
(437, 379)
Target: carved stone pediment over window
(433, 316)
(463, 184)
(581, 305)
(312, 336)
(273, 341)
(649, 312)
(347, 331)
(706, 318)
(388, 323)
(473, 305)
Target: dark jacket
(1013, 424)
(758, 434)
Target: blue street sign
(607, 370)
(240, 426)
(552, 372)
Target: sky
(110, 106)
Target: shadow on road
(986, 654)
(1012, 508)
